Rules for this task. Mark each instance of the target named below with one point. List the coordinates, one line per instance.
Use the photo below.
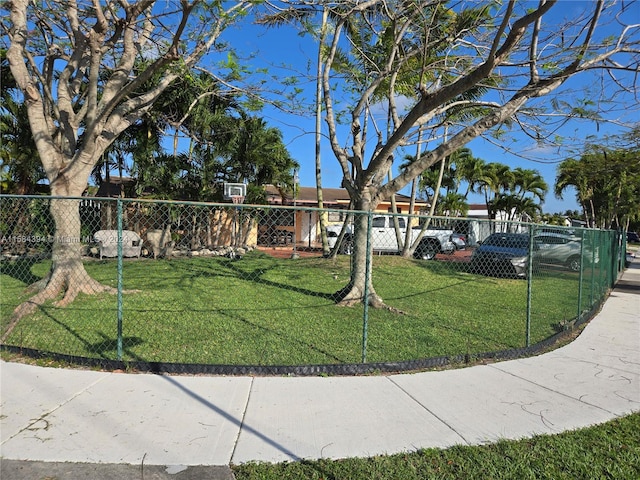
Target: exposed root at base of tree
(39, 285)
(50, 287)
(349, 296)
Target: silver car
(560, 249)
(459, 240)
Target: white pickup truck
(384, 240)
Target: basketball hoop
(235, 192)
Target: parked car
(383, 238)
(630, 257)
(333, 232)
(632, 237)
(459, 240)
(560, 249)
(502, 254)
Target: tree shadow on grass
(20, 269)
(233, 314)
(470, 333)
(456, 285)
(458, 296)
(448, 267)
(108, 344)
(287, 338)
(227, 269)
(255, 275)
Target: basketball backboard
(234, 190)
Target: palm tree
(259, 155)
(607, 184)
(429, 182)
(571, 173)
(528, 209)
(494, 179)
(458, 161)
(454, 205)
(527, 181)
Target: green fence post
(119, 277)
(580, 276)
(607, 268)
(621, 257)
(601, 270)
(367, 276)
(592, 283)
(614, 241)
(529, 280)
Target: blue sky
(286, 53)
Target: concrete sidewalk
(168, 425)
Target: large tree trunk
(67, 277)
(322, 216)
(360, 286)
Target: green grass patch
(266, 311)
(607, 451)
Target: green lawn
(266, 311)
(608, 451)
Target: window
(552, 240)
(379, 222)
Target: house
(285, 226)
(574, 222)
(478, 211)
(336, 199)
(117, 187)
(480, 224)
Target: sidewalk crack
(566, 395)
(42, 423)
(424, 407)
(242, 419)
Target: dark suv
(632, 237)
(502, 254)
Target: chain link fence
(170, 285)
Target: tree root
(350, 296)
(39, 285)
(89, 287)
(51, 286)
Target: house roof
(477, 206)
(331, 197)
(114, 187)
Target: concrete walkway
(169, 423)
